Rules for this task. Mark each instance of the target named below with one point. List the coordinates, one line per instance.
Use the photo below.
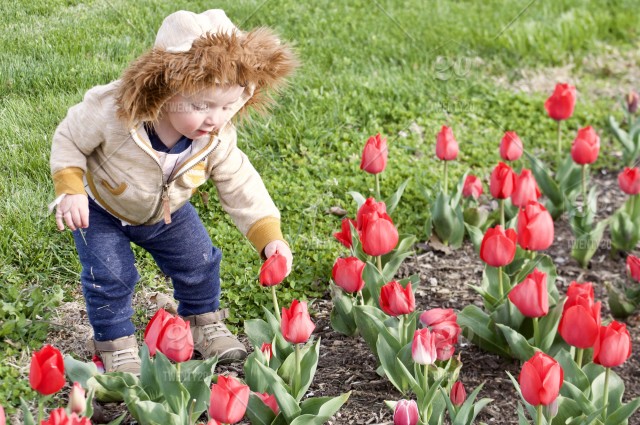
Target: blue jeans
(183, 250)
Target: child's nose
(215, 118)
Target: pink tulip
(562, 102)
(629, 180)
(405, 413)
(347, 274)
(423, 347)
(535, 227)
(531, 296)
(175, 340)
(369, 206)
(540, 379)
(502, 182)
(446, 144)
(296, 325)
(458, 394)
(526, 189)
(511, 146)
(498, 247)
(270, 401)
(228, 401)
(396, 300)
(586, 146)
(613, 346)
(77, 400)
(374, 155)
(379, 235)
(472, 187)
(273, 270)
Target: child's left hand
(283, 249)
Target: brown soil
(346, 364)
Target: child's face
(205, 112)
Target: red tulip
(379, 236)
(440, 319)
(98, 362)
(423, 347)
(458, 394)
(446, 145)
(396, 300)
(152, 331)
(632, 102)
(445, 339)
(405, 413)
(633, 267)
(369, 206)
(498, 247)
(296, 325)
(77, 400)
(273, 270)
(540, 379)
(526, 189)
(580, 322)
(502, 181)
(374, 155)
(562, 102)
(629, 180)
(347, 274)
(535, 227)
(531, 296)
(344, 236)
(47, 371)
(59, 417)
(267, 350)
(175, 340)
(586, 146)
(472, 187)
(270, 401)
(613, 346)
(511, 146)
(228, 401)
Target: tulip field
(459, 184)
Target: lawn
(401, 68)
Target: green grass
(369, 66)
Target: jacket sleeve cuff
(264, 231)
(69, 181)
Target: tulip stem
(296, 378)
(559, 143)
(193, 405)
(579, 354)
(178, 371)
(500, 291)
(536, 332)
(539, 414)
(446, 177)
(359, 295)
(379, 261)
(426, 389)
(584, 189)
(275, 303)
(401, 334)
(605, 395)
(378, 187)
(501, 202)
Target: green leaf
(475, 235)
(616, 391)
(77, 371)
(175, 394)
(587, 243)
(148, 379)
(477, 327)
(110, 387)
(258, 331)
(620, 415)
(342, 311)
(572, 373)
(520, 348)
(621, 135)
(287, 403)
(394, 259)
(575, 394)
(308, 366)
(324, 406)
(369, 321)
(196, 376)
(547, 185)
(310, 420)
(393, 200)
(443, 218)
(522, 419)
(387, 355)
(619, 304)
(253, 376)
(258, 412)
(530, 408)
(549, 326)
(26, 413)
(373, 282)
(148, 412)
(357, 196)
(118, 420)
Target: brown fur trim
(254, 59)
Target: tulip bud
(396, 300)
(632, 102)
(580, 322)
(498, 247)
(270, 401)
(613, 345)
(374, 155)
(296, 325)
(152, 331)
(535, 227)
(46, 375)
(446, 144)
(344, 236)
(175, 340)
(77, 402)
(228, 401)
(629, 180)
(511, 146)
(540, 379)
(502, 181)
(379, 235)
(98, 362)
(405, 413)
(633, 267)
(423, 347)
(458, 394)
(526, 189)
(273, 270)
(561, 103)
(472, 187)
(267, 350)
(531, 296)
(347, 274)
(586, 146)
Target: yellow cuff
(264, 231)
(69, 181)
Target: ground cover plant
(403, 70)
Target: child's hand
(283, 249)
(74, 209)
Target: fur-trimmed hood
(256, 60)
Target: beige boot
(211, 337)
(118, 355)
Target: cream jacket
(91, 146)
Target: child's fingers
(84, 218)
(68, 218)
(59, 222)
(75, 216)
